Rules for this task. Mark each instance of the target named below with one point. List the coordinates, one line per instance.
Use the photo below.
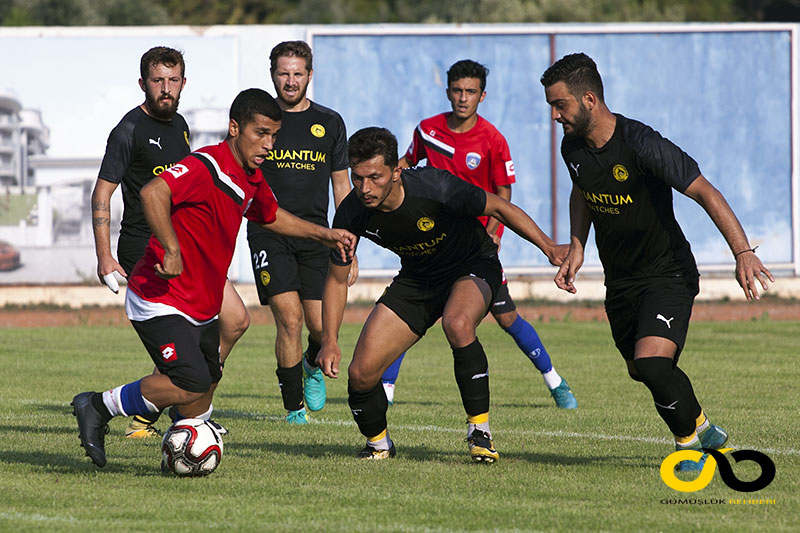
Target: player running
(469, 146)
(449, 269)
(149, 139)
(623, 173)
(176, 290)
(310, 153)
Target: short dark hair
(467, 68)
(290, 49)
(369, 142)
(252, 102)
(578, 72)
(161, 55)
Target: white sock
(383, 443)
(113, 402)
(207, 414)
(551, 378)
(483, 426)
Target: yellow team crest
(425, 224)
(186, 138)
(318, 130)
(265, 278)
(620, 173)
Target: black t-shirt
(138, 149)
(627, 185)
(310, 145)
(435, 229)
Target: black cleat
(91, 428)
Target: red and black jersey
(479, 156)
(627, 186)
(139, 148)
(211, 193)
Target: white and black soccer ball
(191, 447)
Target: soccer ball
(191, 447)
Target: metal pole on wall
(553, 160)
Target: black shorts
(656, 307)
(187, 354)
(420, 303)
(503, 303)
(284, 264)
(130, 250)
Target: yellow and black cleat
(481, 448)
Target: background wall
(721, 92)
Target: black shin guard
(312, 351)
(472, 376)
(369, 409)
(672, 393)
(290, 380)
(148, 418)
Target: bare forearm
(334, 300)
(292, 226)
(101, 219)
(579, 220)
(157, 207)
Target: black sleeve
(119, 151)
(339, 158)
(459, 197)
(661, 158)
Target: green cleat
(713, 437)
(313, 387)
(563, 396)
(297, 418)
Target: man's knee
(458, 329)
(506, 320)
(360, 377)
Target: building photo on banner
(659, 426)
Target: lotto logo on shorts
(168, 352)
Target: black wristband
(753, 249)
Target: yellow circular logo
(620, 173)
(318, 130)
(264, 278)
(425, 224)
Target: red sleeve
(502, 165)
(416, 150)
(264, 206)
(188, 181)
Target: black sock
(100, 407)
(672, 393)
(312, 351)
(369, 409)
(472, 376)
(290, 380)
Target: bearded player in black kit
(449, 269)
(149, 139)
(623, 173)
(309, 153)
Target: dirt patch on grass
(765, 309)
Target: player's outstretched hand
(343, 241)
(749, 269)
(565, 277)
(172, 266)
(328, 360)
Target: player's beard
(296, 99)
(581, 125)
(158, 109)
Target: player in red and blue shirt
(469, 146)
(175, 292)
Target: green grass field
(596, 469)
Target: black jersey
(310, 145)
(435, 229)
(627, 185)
(140, 148)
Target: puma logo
(157, 143)
(373, 233)
(670, 406)
(575, 167)
(666, 321)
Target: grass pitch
(596, 469)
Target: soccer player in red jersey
(175, 291)
(470, 147)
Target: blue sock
(127, 400)
(390, 376)
(528, 341)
